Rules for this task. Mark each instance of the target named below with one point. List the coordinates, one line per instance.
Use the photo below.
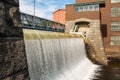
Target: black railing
(28, 21)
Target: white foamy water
(58, 59)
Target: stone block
(69, 26)
(12, 2)
(13, 62)
(20, 76)
(12, 56)
(12, 32)
(12, 15)
(2, 17)
(9, 19)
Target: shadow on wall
(104, 30)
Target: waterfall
(57, 56)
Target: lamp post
(33, 23)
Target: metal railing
(40, 23)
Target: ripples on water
(110, 72)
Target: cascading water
(56, 58)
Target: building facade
(59, 16)
(103, 13)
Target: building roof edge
(58, 10)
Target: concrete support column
(13, 62)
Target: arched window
(82, 27)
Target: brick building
(103, 13)
(59, 16)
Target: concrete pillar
(13, 62)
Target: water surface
(110, 72)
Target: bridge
(34, 22)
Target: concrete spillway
(56, 56)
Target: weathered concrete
(93, 36)
(13, 62)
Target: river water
(109, 72)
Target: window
(76, 8)
(96, 7)
(115, 12)
(115, 40)
(90, 7)
(115, 1)
(115, 26)
(83, 8)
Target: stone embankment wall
(92, 54)
(95, 39)
(13, 62)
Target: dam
(50, 54)
(55, 56)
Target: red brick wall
(70, 12)
(59, 16)
(72, 15)
(106, 20)
(89, 15)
